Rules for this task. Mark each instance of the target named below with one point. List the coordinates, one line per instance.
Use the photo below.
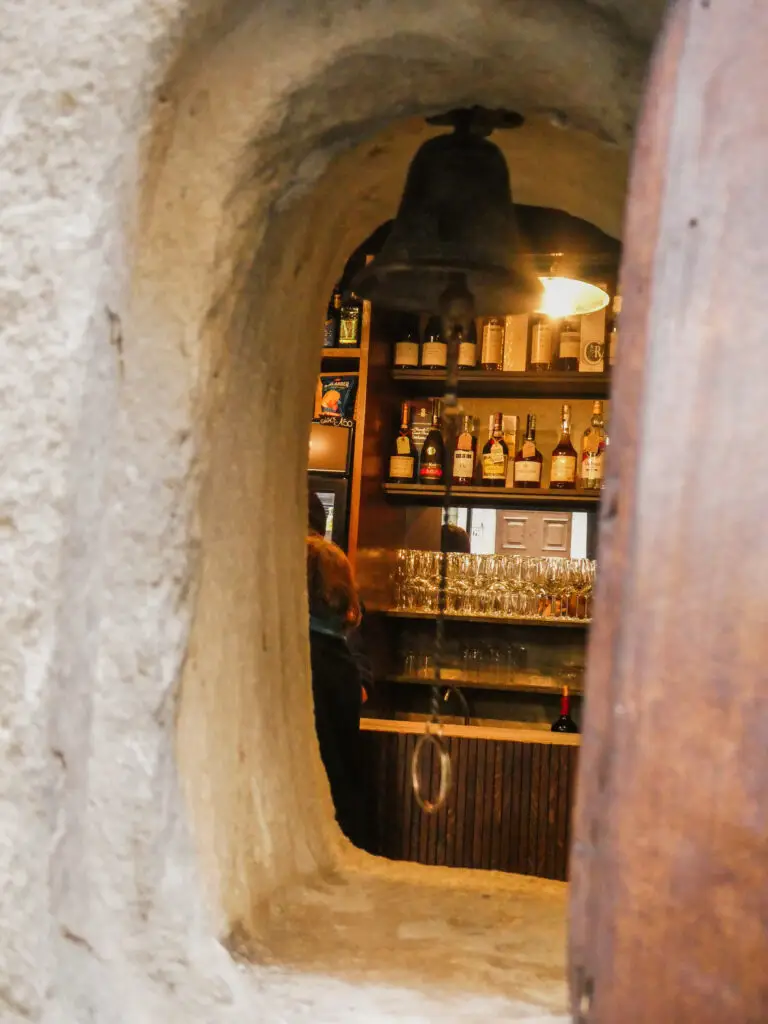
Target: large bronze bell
(455, 227)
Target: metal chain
(452, 326)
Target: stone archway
(252, 149)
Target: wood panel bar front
(508, 808)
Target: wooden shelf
(341, 353)
(504, 384)
(518, 682)
(494, 497)
(398, 613)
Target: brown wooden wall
(509, 808)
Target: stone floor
(405, 943)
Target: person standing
(334, 611)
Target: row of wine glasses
(497, 586)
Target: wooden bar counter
(509, 807)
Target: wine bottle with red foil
(433, 451)
(403, 457)
(562, 474)
(565, 723)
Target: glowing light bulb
(565, 296)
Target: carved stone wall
(180, 184)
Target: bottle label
(528, 472)
(541, 344)
(592, 442)
(431, 471)
(434, 353)
(407, 353)
(467, 353)
(401, 466)
(348, 330)
(493, 341)
(529, 449)
(403, 445)
(593, 466)
(329, 338)
(563, 469)
(570, 345)
(494, 464)
(463, 463)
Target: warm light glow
(565, 296)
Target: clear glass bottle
(407, 346)
(434, 351)
(541, 344)
(492, 349)
(495, 455)
(464, 455)
(593, 451)
(403, 456)
(433, 450)
(562, 474)
(569, 344)
(467, 356)
(613, 334)
(529, 460)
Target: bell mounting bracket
(476, 120)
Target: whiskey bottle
(332, 317)
(565, 723)
(467, 358)
(569, 344)
(407, 347)
(350, 322)
(593, 451)
(402, 460)
(464, 455)
(434, 351)
(563, 473)
(495, 455)
(492, 349)
(529, 460)
(432, 452)
(541, 344)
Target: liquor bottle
(495, 455)
(467, 357)
(431, 463)
(613, 335)
(332, 317)
(541, 344)
(492, 349)
(403, 458)
(565, 723)
(563, 473)
(350, 322)
(434, 351)
(569, 344)
(407, 347)
(593, 451)
(464, 455)
(529, 460)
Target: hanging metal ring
(433, 739)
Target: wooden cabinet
(509, 808)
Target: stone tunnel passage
(276, 144)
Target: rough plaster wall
(164, 260)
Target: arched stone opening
(276, 144)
